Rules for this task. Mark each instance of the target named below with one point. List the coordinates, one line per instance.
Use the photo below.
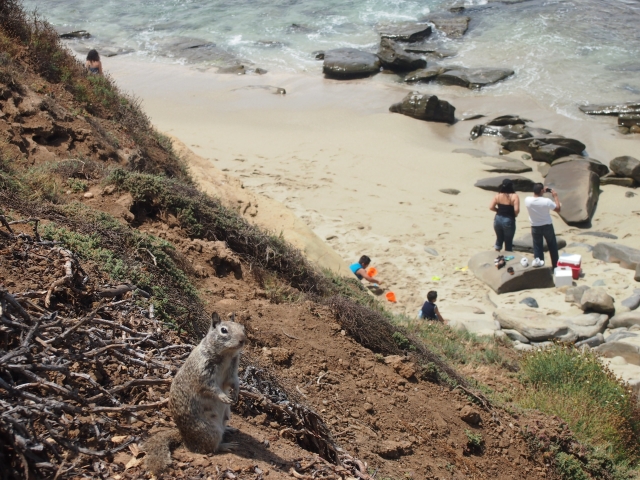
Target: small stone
(274, 424)
(450, 191)
(629, 194)
(470, 415)
(530, 302)
(623, 130)
(431, 251)
(368, 408)
(355, 414)
(108, 190)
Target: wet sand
(367, 181)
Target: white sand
(367, 180)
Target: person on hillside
(430, 309)
(540, 209)
(359, 269)
(93, 63)
(506, 205)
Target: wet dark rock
(503, 120)
(545, 148)
(513, 166)
(346, 63)
(619, 181)
(627, 257)
(429, 49)
(578, 188)
(318, 54)
(520, 183)
(269, 44)
(75, 34)
(530, 302)
(425, 107)
(626, 166)
(524, 243)
(297, 28)
(600, 235)
(473, 77)
(423, 74)
(507, 131)
(596, 166)
(629, 120)
(393, 57)
(405, 32)
(453, 26)
(611, 109)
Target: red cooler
(573, 261)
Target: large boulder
(578, 188)
(631, 353)
(596, 166)
(627, 257)
(612, 179)
(574, 294)
(425, 107)
(627, 319)
(611, 109)
(587, 325)
(393, 57)
(405, 32)
(523, 278)
(453, 26)
(473, 77)
(632, 302)
(346, 63)
(537, 327)
(520, 183)
(525, 243)
(597, 300)
(626, 167)
(542, 148)
(629, 119)
(636, 277)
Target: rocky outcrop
(626, 167)
(453, 26)
(425, 107)
(520, 183)
(629, 120)
(627, 319)
(423, 74)
(393, 57)
(538, 327)
(405, 32)
(347, 63)
(597, 300)
(509, 132)
(596, 166)
(473, 77)
(611, 109)
(578, 188)
(630, 353)
(632, 302)
(523, 278)
(627, 257)
(574, 294)
(525, 243)
(545, 148)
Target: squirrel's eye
(224, 330)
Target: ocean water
(564, 52)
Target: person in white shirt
(540, 209)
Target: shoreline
(367, 181)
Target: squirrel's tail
(158, 449)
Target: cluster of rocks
(563, 162)
(628, 114)
(403, 48)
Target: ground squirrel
(200, 397)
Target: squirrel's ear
(215, 319)
(232, 317)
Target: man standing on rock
(540, 208)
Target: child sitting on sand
(430, 309)
(359, 269)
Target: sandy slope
(368, 181)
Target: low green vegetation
(602, 412)
(474, 440)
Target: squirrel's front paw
(224, 398)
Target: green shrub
(575, 386)
(474, 440)
(569, 467)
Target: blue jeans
(548, 233)
(505, 228)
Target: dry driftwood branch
(115, 291)
(7, 225)
(14, 303)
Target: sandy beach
(367, 181)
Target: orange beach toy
(372, 272)
(391, 297)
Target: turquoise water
(564, 52)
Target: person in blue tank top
(430, 309)
(359, 269)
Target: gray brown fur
(201, 395)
